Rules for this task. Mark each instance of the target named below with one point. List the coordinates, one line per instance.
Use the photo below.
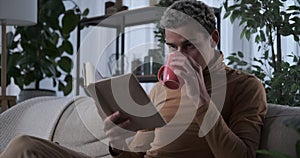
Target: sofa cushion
(80, 128)
(275, 135)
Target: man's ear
(214, 38)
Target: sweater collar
(216, 64)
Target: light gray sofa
(74, 123)
(275, 135)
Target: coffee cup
(167, 76)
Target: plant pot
(31, 93)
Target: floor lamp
(16, 13)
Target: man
(209, 87)
(218, 112)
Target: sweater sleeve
(240, 137)
(128, 154)
(139, 145)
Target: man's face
(189, 42)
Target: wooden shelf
(125, 18)
(120, 21)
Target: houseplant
(268, 22)
(44, 50)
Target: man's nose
(181, 50)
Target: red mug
(167, 76)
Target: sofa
(73, 122)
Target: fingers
(119, 131)
(181, 62)
(191, 73)
(109, 121)
(115, 119)
(183, 68)
(115, 129)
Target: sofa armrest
(81, 129)
(275, 135)
(36, 117)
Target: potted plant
(268, 22)
(44, 50)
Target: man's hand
(114, 128)
(191, 72)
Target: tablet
(124, 94)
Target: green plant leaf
(226, 15)
(68, 88)
(262, 35)
(296, 38)
(225, 5)
(65, 63)
(294, 87)
(12, 59)
(243, 63)
(69, 22)
(286, 30)
(85, 12)
(248, 34)
(266, 54)
(51, 50)
(48, 6)
(243, 21)
(69, 82)
(295, 59)
(9, 39)
(233, 58)
(61, 86)
(243, 32)
(273, 154)
(240, 54)
(48, 15)
(29, 77)
(67, 47)
(235, 14)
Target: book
(123, 93)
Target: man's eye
(171, 47)
(189, 46)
